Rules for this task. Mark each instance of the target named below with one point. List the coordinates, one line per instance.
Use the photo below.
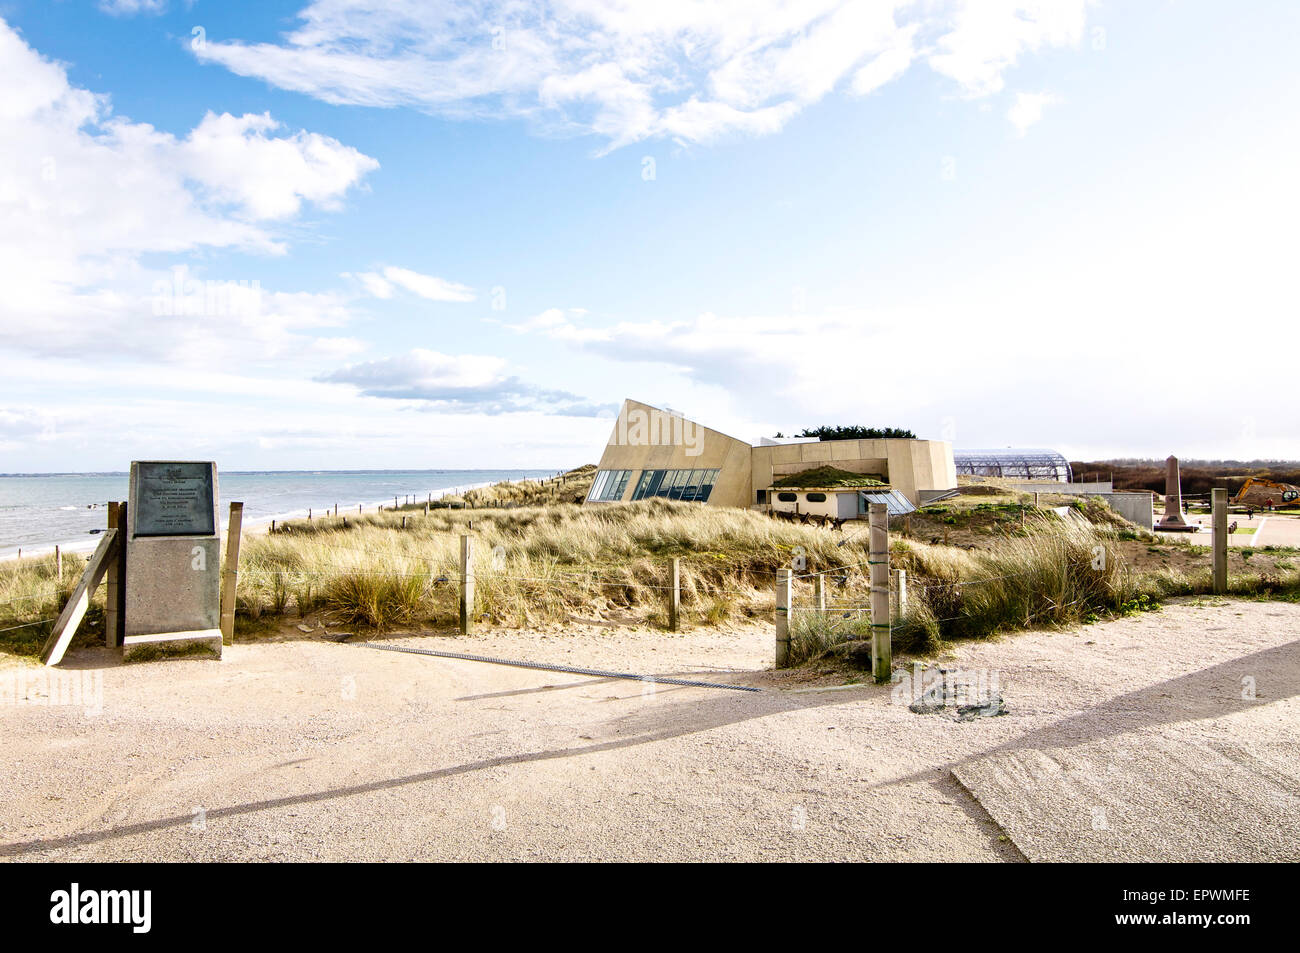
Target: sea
(41, 510)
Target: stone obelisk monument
(1173, 520)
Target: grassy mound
(537, 564)
(829, 477)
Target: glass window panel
(706, 485)
(621, 486)
(643, 484)
(692, 491)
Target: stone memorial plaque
(174, 499)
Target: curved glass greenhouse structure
(1013, 464)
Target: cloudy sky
(323, 235)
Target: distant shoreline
(86, 541)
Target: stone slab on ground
(1144, 795)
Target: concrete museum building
(659, 453)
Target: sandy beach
(309, 750)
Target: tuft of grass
(813, 634)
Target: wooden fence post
(1219, 505)
(674, 594)
(116, 582)
(819, 591)
(230, 575)
(466, 584)
(900, 593)
(65, 627)
(878, 559)
(783, 587)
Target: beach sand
(309, 750)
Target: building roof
(1026, 464)
(895, 502)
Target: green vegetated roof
(830, 477)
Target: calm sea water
(39, 511)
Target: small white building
(836, 502)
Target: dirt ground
(311, 750)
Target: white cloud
(458, 383)
(382, 284)
(988, 37)
(1028, 109)
(427, 286)
(269, 178)
(633, 71)
(126, 8)
(90, 194)
(550, 318)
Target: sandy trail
(308, 750)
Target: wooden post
(1219, 505)
(113, 621)
(272, 526)
(426, 507)
(309, 514)
(783, 586)
(65, 627)
(230, 575)
(466, 584)
(403, 522)
(58, 558)
(878, 559)
(336, 509)
(900, 593)
(819, 591)
(674, 594)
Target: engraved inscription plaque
(174, 499)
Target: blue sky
(461, 239)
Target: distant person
(1268, 504)
(1250, 513)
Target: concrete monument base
(173, 561)
(199, 643)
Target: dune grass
(30, 591)
(548, 564)
(534, 564)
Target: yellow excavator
(1259, 492)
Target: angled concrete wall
(647, 438)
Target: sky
(351, 235)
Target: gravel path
(305, 750)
